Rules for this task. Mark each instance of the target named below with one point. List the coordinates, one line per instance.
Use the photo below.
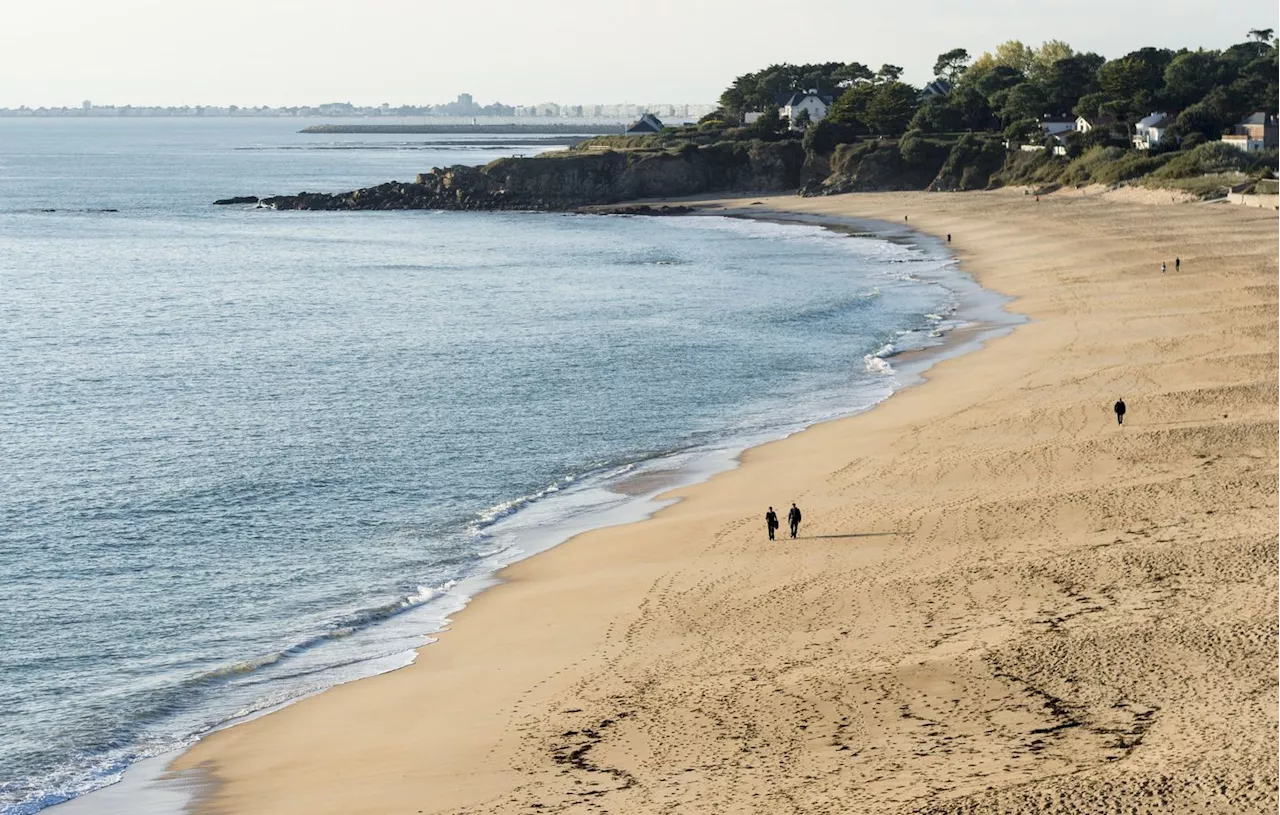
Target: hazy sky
(252, 52)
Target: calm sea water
(249, 454)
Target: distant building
(1084, 125)
(1058, 125)
(938, 87)
(815, 104)
(1151, 128)
(1255, 132)
(645, 125)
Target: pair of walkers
(793, 520)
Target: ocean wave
(876, 362)
(490, 516)
(876, 365)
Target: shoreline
(979, 314)
(966, 541)
(917, 366)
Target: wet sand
(1001, 600)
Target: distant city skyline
(277, 52)
(463, 106)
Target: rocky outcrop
(643, 209)
(914, 162)
(566, 181)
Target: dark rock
(241, 199)
(645, 209)
(569, 181)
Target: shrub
(970, 164)
(1193, 141)
(1132, 164)
(823, 136)
(1081, 170)
(1210, 157)
(1037, 168)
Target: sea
(246, 455)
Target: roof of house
(787, 100)
(1258, 118)
(1098, 120)
(1166, 120)
(938, 87)
(648, 123)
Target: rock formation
(566, 181)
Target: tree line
(1013, 88)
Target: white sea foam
(876, 365)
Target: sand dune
(1001, 602)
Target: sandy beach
(1000, 601)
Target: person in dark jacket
(793, 519)
(771, 521)
(1120, 411)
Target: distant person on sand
(771, 521)
(1120, 411)
(1163, 267)
(793, 518)
(1177, 264)
(948, 237)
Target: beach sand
(1001, 601)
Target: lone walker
(793, 518)
(771, 521)
(1120, 411)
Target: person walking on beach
(1163, 267)
(1120, 411)
(771, 521)
(1177, 264)
(793, 519)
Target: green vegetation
(966, 129)
(878, 125)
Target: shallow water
(250, 454)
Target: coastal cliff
(565, 181)
(601, 173)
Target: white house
(1150, 129)
(1159, 129)
(812, 102)
(1057, 125)
(1084, 125)
(647, 124)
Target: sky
(295, 52)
